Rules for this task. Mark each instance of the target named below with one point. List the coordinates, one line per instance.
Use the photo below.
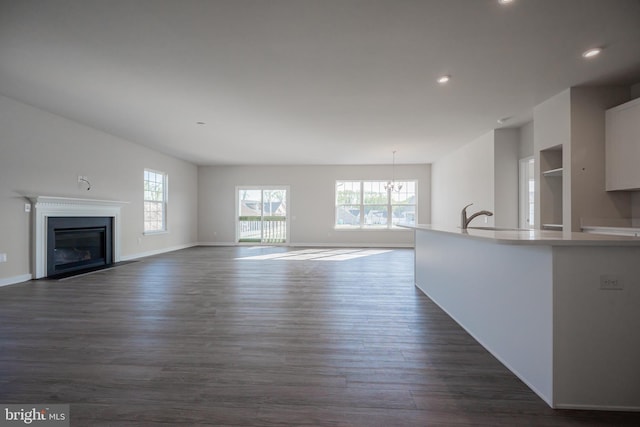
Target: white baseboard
(353, 245)
(316, 245)
(15, 279)
(597, 407)
(217, 244)
(156, 252)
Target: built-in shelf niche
(551, 188)
(556, 227)
(553, 172)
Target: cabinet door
(623, 146)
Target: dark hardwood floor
(200, 337)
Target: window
(367, 204)
(155, 201)
(262, 214)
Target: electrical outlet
(3, 257)
(611, 282)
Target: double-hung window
(155, 201)
(371, 205)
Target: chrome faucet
(464, 221)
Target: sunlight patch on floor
(317, 255)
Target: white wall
(635, 195)
(575, 118)
(552, 121)
(589, 199)
(635, 208)
(311, 202)
(464, 176)
(42, 154)
(506, 156)
(552, 127)
(526, 141)
(483, 172)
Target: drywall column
(506, 147)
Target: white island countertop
(615, 231)
(531, 237)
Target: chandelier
(393, 185)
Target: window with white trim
(155, 201)
(370, 205)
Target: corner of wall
(526, 140)
(635, 91)
(635, 208)
(506, 150)
(35, 140)
(462, 177)
(589, 198)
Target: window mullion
(389, 209)
(262, 215)
(361, 204)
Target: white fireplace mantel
(49, 206)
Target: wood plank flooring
(204, 337)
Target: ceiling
(308, 81)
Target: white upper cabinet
(623, 146)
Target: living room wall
(43, 154)
(312, 201)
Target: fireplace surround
(83, 224)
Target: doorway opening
(262, 215)
(527, 187)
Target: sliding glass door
(262, 215)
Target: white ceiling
(308, 81)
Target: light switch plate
(27, 207)
(3, 257)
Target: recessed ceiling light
(592, 52)
(444, 79)
(505, 1)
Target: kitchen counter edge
(532, 237)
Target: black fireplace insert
(78, 244)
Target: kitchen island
(560, 310)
